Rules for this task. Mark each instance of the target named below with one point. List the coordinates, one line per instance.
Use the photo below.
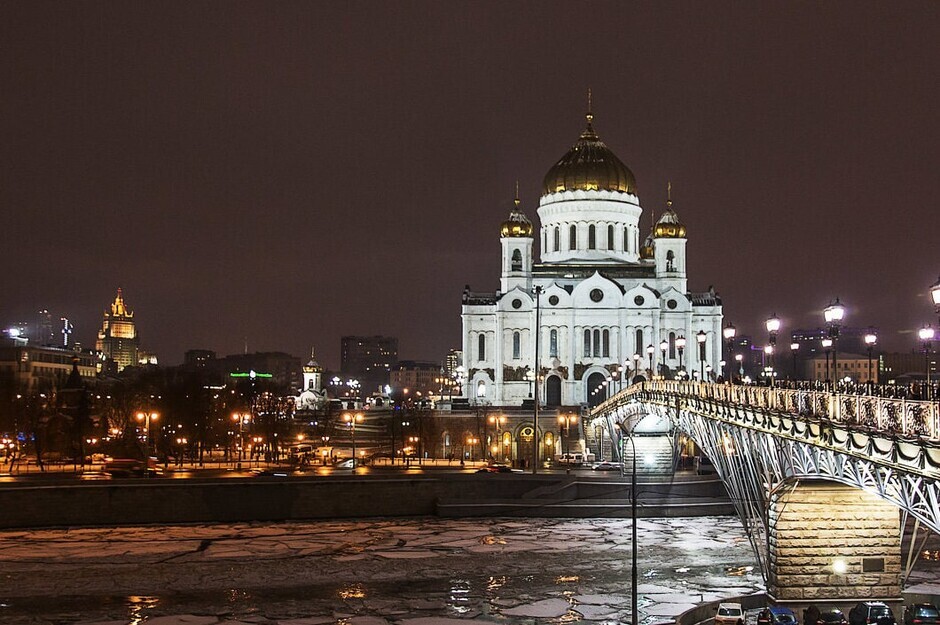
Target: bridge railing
(897, 417)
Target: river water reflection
(392, 571)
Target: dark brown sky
(290, 172)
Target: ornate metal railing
(903, 418)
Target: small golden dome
(669, 226)
(518, 225)
(646, 250)
(589, 166)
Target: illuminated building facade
(604, 294)
(118, 341)
(368, 359)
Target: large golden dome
(589, 166)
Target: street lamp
(241, 418)
(537, 291)
(773, 326)
(926, 335)
(701, 337)
(739, 358)
(935, 295)
(147, 417)
(633, 567)
(769, 369)
(680, 345)
(351, 419)
(636, 365)
(567, 420)
(870, 339)
(834, 313)
(650, 352)
(827, 345)
(729, 332)
(498, 421)
(472, 440)
(663, 346)
(794, 348)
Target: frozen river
(378, 572)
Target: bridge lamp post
(651, 352)
(566, 420)
(628, 435)
(739, 358)
(636, 364)
(834, 313)
(729, 332)
(827, 345)
(926, 336)
(680, 345)
(663, 346)
(794, 348)
(769, 369)
(701, 337)
(351, 420)
(773, 326)
(870, 340)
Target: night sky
(290, 172)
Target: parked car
(764, 617)
(729, 614)
(832, 616)
(869, 612)
(921, 614)
(606, 466)
(781, 615)
(497, 467)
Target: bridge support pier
(829, 542)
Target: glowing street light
(663, 346)
(566, 420)
(680, 345)
(700, 338)
(351, 419)
(870, 340)
(147, 417)
(834, 313)
(650, 352)
(926, 335)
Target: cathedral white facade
(607, 305)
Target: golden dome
(669, 226)
(646, 250)
(589, 166)
(518, 225)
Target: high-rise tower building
(118, 340)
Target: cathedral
(607, 303)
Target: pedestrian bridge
(824, 483)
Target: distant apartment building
(418, 377)
(36, 368)
(911, 365)
(852, 366)
(368, 359)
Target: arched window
(597, 343)
(672, 345)
(516, 345)
(592, 237)
(557, 239)
(516, 260)
(587, 343)
(481, 389)
(638, 346)
(481, 347)
(610, 237)
(606, 342)
(573, 238)
(626, 239)
(670, 261)
(553, 343)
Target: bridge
(824, 483)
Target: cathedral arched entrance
(526, 439)
(553, 391)
(595, 381)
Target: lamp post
(794, 348)
(628, 435)
(729, 332)
(769, 369)
(651, 352)
(700, 338)
(351, 419)
(472, 440)
(827, 345)
(773, 326)
(926, 335)
(537, 290)
(870, 339)
(241, 418)
(567, 420)
(680, 345)
(636, 365)
(146, 417)
(498, 422)
(663, 346)
(834, 313)
(739, 358)
(935, 295)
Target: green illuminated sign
(250, 374)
